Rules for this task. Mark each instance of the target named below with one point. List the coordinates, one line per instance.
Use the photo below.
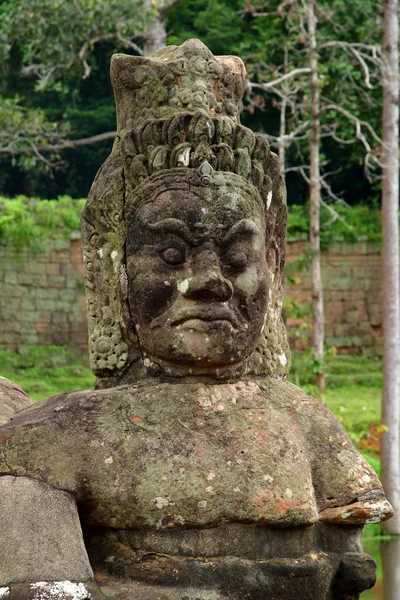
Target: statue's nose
(209, 285)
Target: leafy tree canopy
(54, 36)
(55, 85)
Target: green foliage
(354, 388)
(30, 221)
(55, 42)
(54, 63)
(356, 223)
(25, 129)
(43, 371)
(54, 35)
(305, 366)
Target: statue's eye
(236, 259)
(173, 256)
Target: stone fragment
(40, 533)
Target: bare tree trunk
(390, 267)
(315, 192)
(281, 139)
(156, 34)
(390, 554)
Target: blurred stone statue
(194, 470)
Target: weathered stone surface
(41, 537)
(12, 399)
(194, 454)
(310, 578)
(256, 541)
(231, 561)
(372, 507)
(355, 574)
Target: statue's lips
(205, 318)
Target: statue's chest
(201, 458)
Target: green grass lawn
(43, 371)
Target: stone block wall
(42, 295)
(352, 279)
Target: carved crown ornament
(178, 128)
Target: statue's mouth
(206, 318)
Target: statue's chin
(198, 346)
(210, 365)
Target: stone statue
(194, 470)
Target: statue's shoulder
(308, 412)
(41, 413)
(66, 406)
(49, 440)
(339, 472)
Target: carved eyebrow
(243, 226)
(175, 226)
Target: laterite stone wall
(42, 295)
(352, 279)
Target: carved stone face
(198, 276)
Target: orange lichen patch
(136, 418)
(269, 503)
(285, 506)
(216, 90)
(264, 497)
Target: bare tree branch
(64, 145)
(356, 50)
(335, 215)
(129, 44)
(41, 157)
(371, 159)
(275, 82)
(358, 45)
(35, 69)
